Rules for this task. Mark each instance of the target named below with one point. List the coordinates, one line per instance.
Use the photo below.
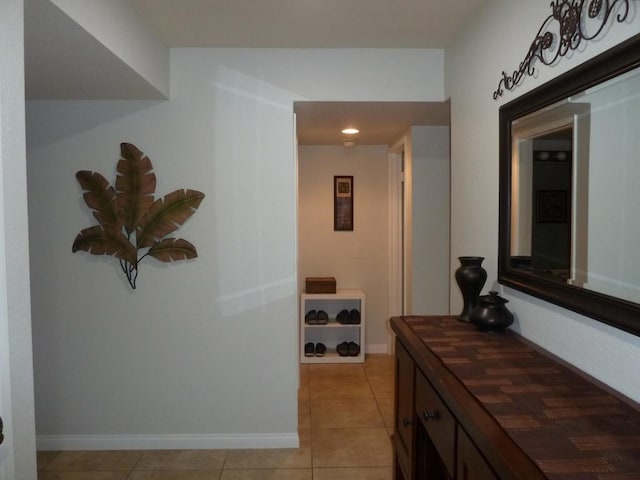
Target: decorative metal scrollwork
(570, 22)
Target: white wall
(498, 40)
(88, 50)
(203, 353)
(17, 453)
(430, 220)
(357, 259)
(116, 25)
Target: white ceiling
(308, 23)
(61, 63)
(380, 123)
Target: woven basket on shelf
(320, 285)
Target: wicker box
(320, 285)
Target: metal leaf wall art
(132, 224)
(571, 22)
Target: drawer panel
(404, 403)
(437, 420)
(471, 463)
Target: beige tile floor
(345, 420)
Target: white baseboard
(167, 442)
(377, 348)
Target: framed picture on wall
(342, 203)
(551, 206)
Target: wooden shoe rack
(333, 332)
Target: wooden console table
(485, 406)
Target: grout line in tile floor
(345, 420)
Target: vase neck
(471, 261)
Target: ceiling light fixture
(350, 131)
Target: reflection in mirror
(575, 200)
(570, 189)
(541, 218)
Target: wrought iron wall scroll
(570, 22)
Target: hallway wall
(17, 453)
(204, 354)
(497, 40)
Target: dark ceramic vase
(491, 314)
(470, 277)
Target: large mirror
(570, 189)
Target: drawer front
(471, 463)
(404, 401)
(437, 420)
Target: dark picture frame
(551, 206)
(343, 203)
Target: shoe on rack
(354, 349)
(343, 317)
(311, 317)
(309, 349)
(320, 349)
(322, 318)
(354, 317)
(343, 349)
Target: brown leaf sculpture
(166, 215)
(135, 185)
(99, 196)
(129, 213)
(101, 240)
(171, 249)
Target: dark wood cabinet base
(488, 406)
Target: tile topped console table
(474, 405)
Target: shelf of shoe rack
(333, 332)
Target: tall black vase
(470, 277)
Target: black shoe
(311, 317)
(354, 349)
(308, 349)
(343, 317)
(354, 317)
(320, 349)
(322, 318)
(343, 349)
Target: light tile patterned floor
(345, 419)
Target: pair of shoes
(347, 317)
(319, 349)
(348, 349)
(316, 318)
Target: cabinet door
(404, 417)
(471, 463)
(437, 420)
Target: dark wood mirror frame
(619, 313)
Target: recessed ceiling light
(350, 131)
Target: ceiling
(58, 61)
(380, 123)
(308, 23)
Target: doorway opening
(377, 255)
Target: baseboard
(166, 442)
(377, 348)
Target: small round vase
(491, 314)
(470, 277)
